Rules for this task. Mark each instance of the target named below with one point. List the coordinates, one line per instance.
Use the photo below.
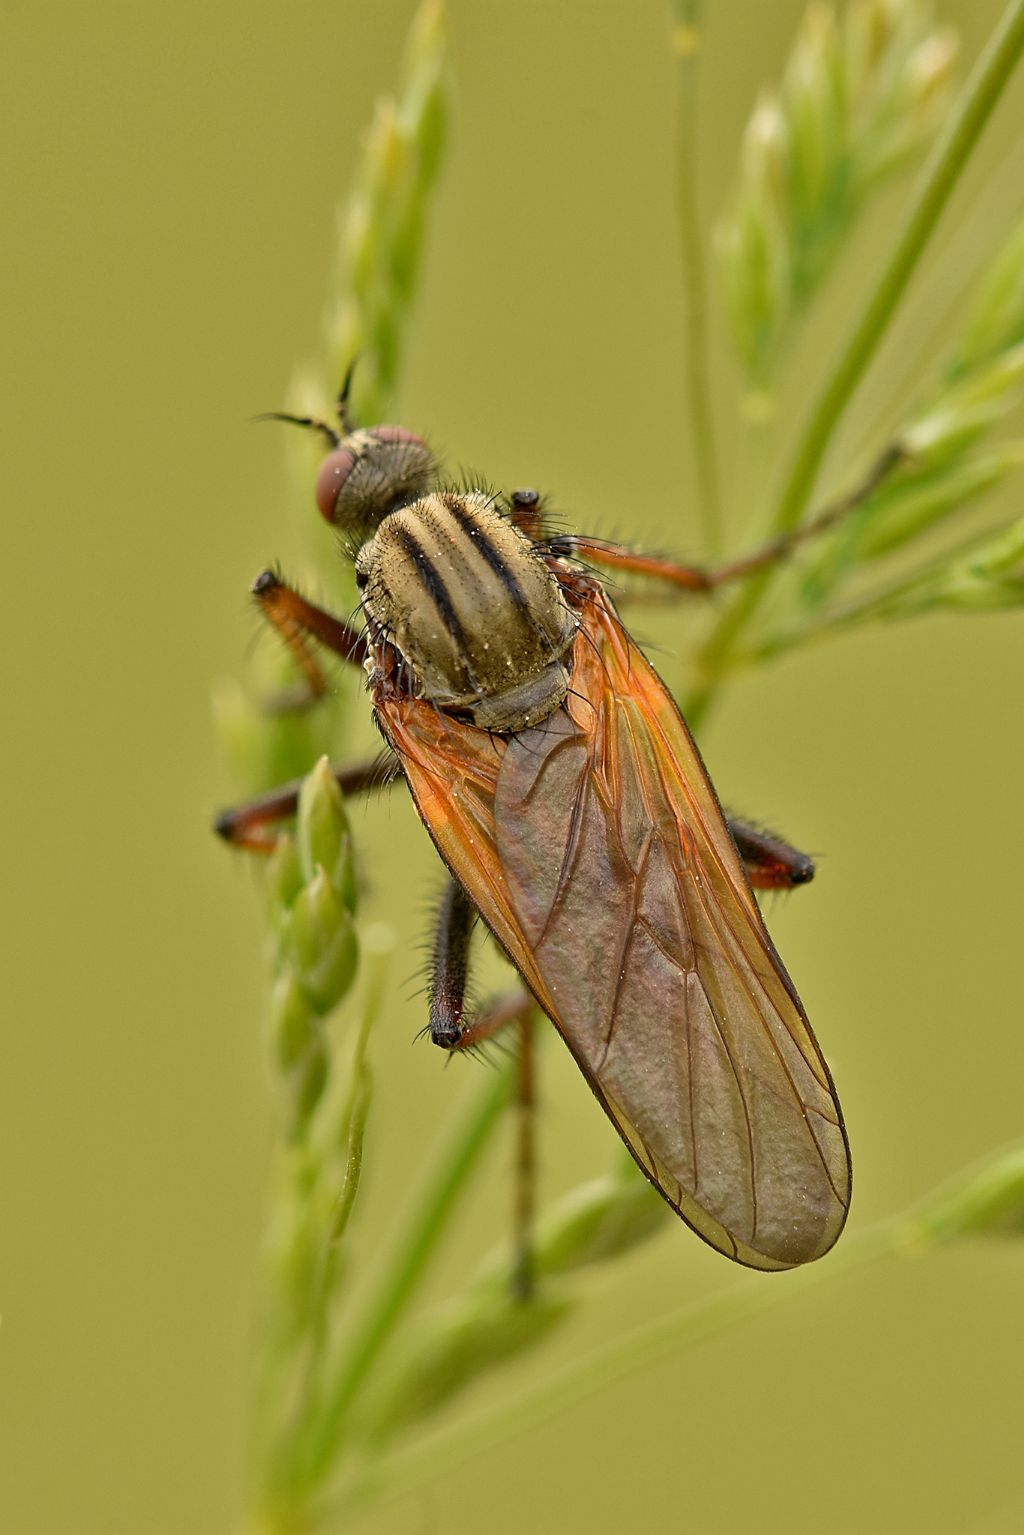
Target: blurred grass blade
(986, 1200)
(995, 320)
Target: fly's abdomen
(472, 607)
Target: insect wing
(596, 851)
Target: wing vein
(629, 927)
(569, 857)
(742, 973)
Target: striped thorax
(473, 609)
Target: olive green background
(172, 174)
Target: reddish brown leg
(620, 557)
(251, 825)
(690, 578)
(695, 578)
(297, 621)
(771, 864)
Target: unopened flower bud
(599, 1220)
(459, 1342)
(322, 943)
(284, 876)
(322, 832)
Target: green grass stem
(417, 1243)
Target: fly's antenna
(335, 435)
(345, 420)
(311, 423)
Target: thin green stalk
(686, 47)
(945, 165)
(417, 1244)
(353, 1120)
(643, 1348)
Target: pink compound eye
(369, 474)
(334, 471)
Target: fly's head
(449, 579)
(367, 474)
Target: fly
(559, 783)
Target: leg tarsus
(510, 1008)
(453, 929)
(449, 975)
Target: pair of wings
(596, 852)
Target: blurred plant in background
(342, 1404)
(861, 97)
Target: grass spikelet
(861, 95)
